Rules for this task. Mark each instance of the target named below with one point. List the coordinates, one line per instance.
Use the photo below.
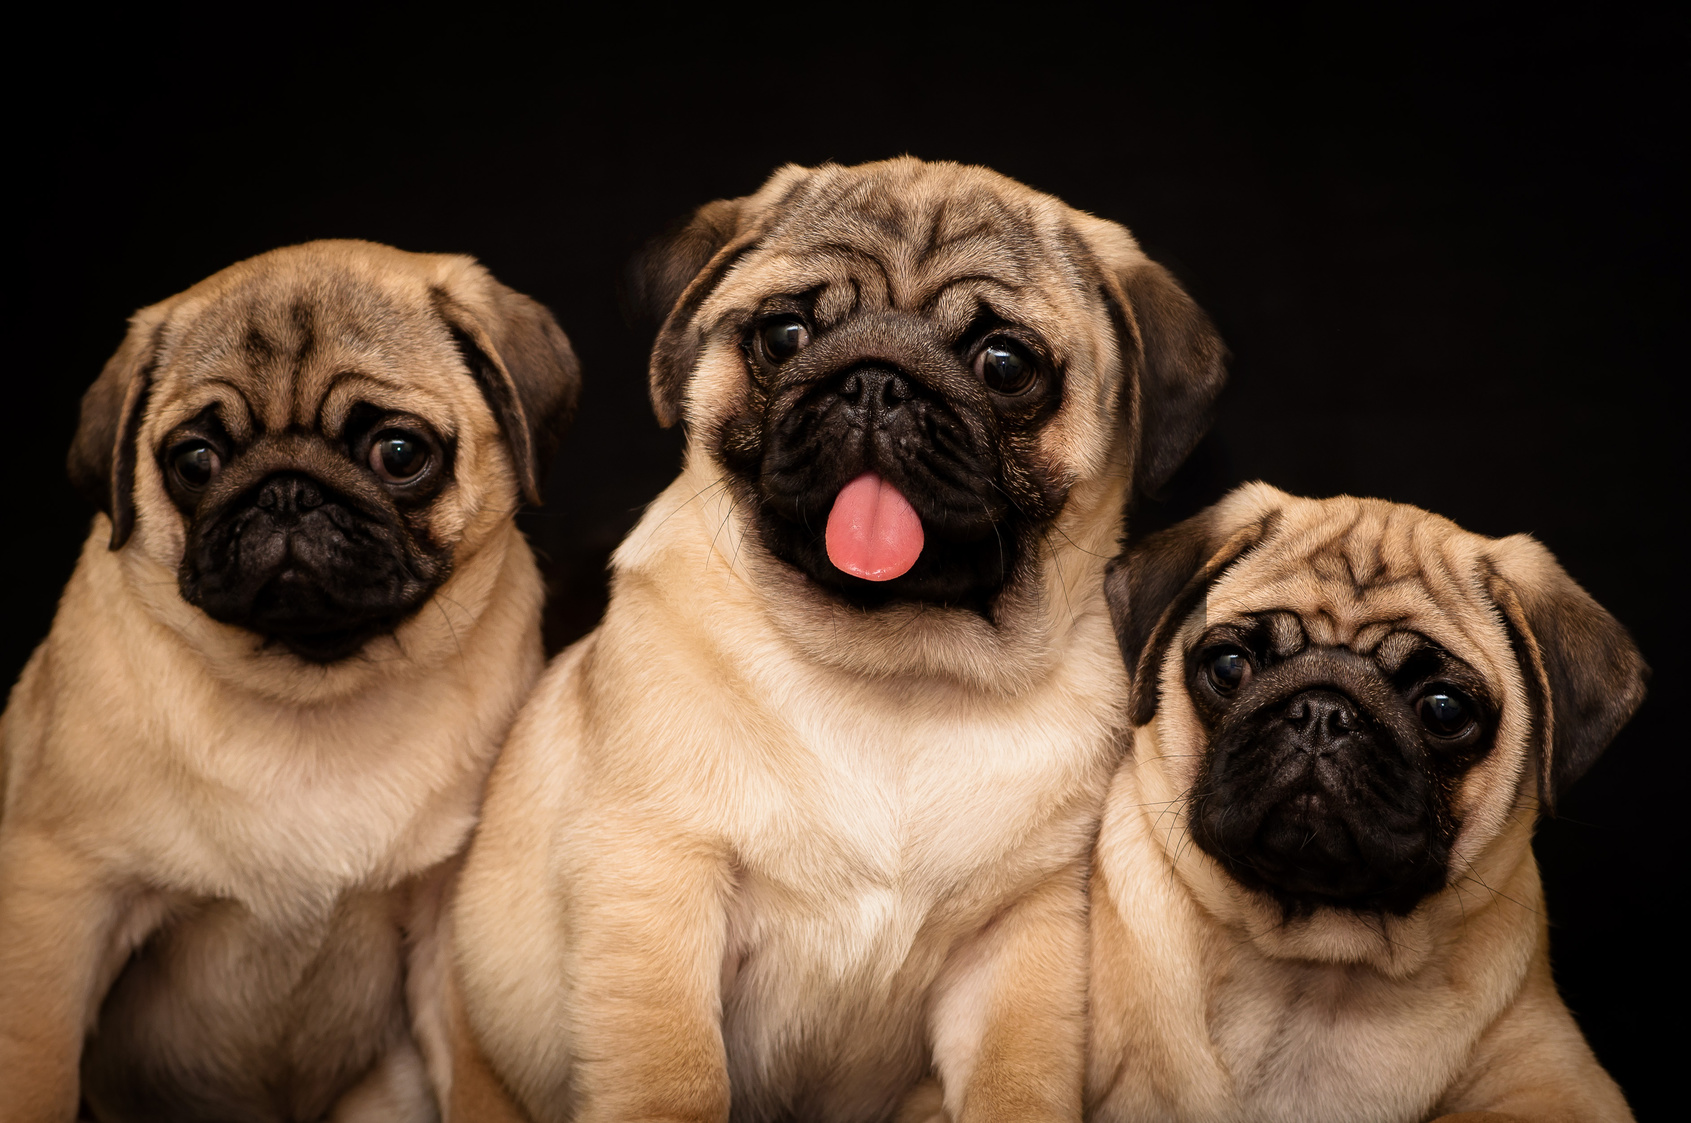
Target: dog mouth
(307, 568)
(899, 497)
(303, 611)
(876, 514)
(1307, 851)
(873, 532)
(1318, 805)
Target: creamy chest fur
(263, 800)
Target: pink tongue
(873, 531)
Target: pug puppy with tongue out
(805, 823)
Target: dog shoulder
(1532, 1062)
(78, 730)
(1151, 1055)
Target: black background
(1446, 251)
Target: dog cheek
(1182, 736)
(1038, 484)
(719, 389)
(1084, 434)
(1489, 796)
(432, 531)
(464, 512)
(161, 530)
(739, 442)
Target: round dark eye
(1228, 669)
(399, 457)
(1444, 712)
(195, 463)
(1005, 366)
(784, 338)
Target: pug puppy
(809, 815)
(1314, 895)
(238, 770)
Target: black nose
(875, 389)
(1321, 720)
(289, 494)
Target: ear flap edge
(1584, 675)
(526, 369)
(1154, 586)
(669, 279)
(101, 459)
(1182, 368)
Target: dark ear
(102, 454)
(1155, 584)
(668, 280)
(1584, 675)
(525, 367)
(1182, 370)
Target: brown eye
(195, 464)
(1444, 712)
(782, 339)
(1228, 669)
(398, 456)
(1005, 366)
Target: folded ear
(102, 454)
(1174, 362)
(668, 280)
(1182, 370)
(1153, 586)
(523, 363)
(1584, 676)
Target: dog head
(313, 439)
(907, 373)
(1353, 699)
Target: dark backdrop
(1446, 253)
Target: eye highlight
(399, 456)
(195, 464)
(780, 339)
(1005, 366)
(1227, 669)
(1445, 712)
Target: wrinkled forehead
(1357, 573)
(940, 242)
(271, 321)
(281, 348)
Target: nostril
(290, 495)
(851, 387)
(1298, 712)
(896, 390)
(1341, 720)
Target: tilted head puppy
(1315, 895)
(275, 683)
(814, 801)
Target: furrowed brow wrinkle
(1285, 633)
(834, 302)
(1397, 648)
(234, 409)
(343, 392)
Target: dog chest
(1314, 1042)
(223, 1014)
(845, 917)
(275, 809)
